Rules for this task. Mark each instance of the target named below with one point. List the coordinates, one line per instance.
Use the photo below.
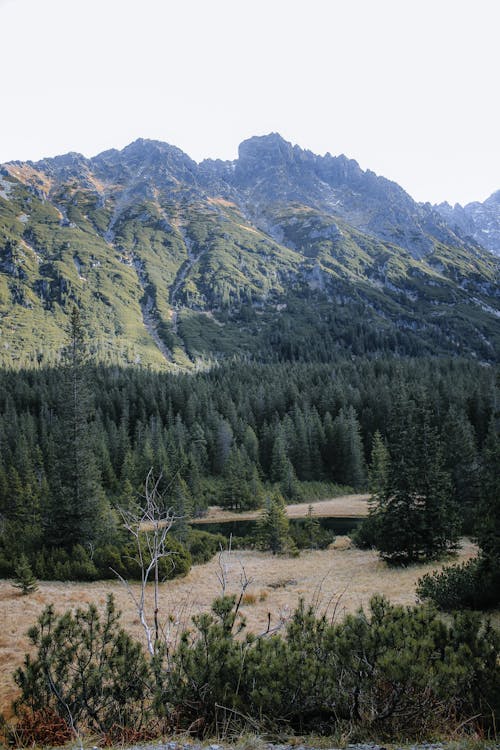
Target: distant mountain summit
(481, 221)
(279, 253)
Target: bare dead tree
(149, 526)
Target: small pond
(245, 528)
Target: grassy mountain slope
(279, 254)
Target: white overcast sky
(408, 88)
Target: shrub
(203, 545)
(387, 672)
(367, 533)
(392, 670)
(176, 563)
(474, 584)
(308, 534)
(87, 672)
(24, 580)
(61, 565)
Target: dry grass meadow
(353, 506)
(339, 579)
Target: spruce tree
(488, 534)
(377, 475)
(414, 512)
(77, 497)
(273, 526)
(348, 459)
(462, 462)
(312, 529)
(24, 578)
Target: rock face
(480, 221)
(274, 253)
(270, 170)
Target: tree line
(77, 441)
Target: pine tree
(242, 488)
(24, 578)
(273, 526)
(414, 513)
(312, 528)
(488, 534)
(377, 475)
(348, 459)
(283, 472)
(77, 497)
(462, 462)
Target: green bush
(308, 534)
(176, 563)
(60, 565)
(389, 672)
(394, 670)
(86, 670)
(203, 545)
(53, 564)
(367, 533)
(474, 584)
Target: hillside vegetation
(280, 254)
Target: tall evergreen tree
(488, 534)
(379, 464)
(415, 515)
(273, 526)
(348, 459)
(77, 497)
(462, 462)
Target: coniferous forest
(79, 443)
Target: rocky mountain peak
(481, 221)
(493, 200)
(264, 148)
(146, 162)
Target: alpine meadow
(189, 352)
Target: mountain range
(279, 254)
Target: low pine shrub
(474, 584)
(388, 672)
(203, 545)
(87, 674)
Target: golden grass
(340, 579)
(29, 176)
(353, 506)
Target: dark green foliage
(475, 584)
(176, 562)
(308, 534)
(455, 587)
(203, 545)
(369, 531)
(388, 672)
(76, 508)
(223, 435)
(273, 527)
(348, 456)
(461, 460)
(205, 670)
(488, 526)
(24, 578)
(242, 488)
(87, 670)
(415, 515)
(379, 465)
